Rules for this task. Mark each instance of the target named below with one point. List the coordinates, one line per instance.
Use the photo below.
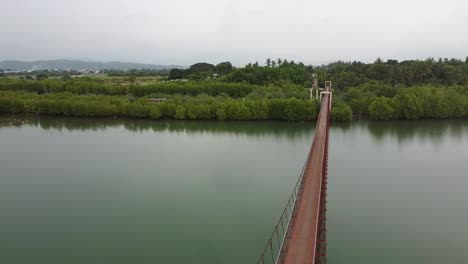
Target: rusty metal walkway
(300, 234)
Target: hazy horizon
(182, 32)
(216, 62)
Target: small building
(156, 100)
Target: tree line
(201, 107)
(381, 90)
(407, 73)
(201, 71)
(76, 86)
(384, 102)
(193, 88)
(94, 86)
(137, 73)
(282, 71)
(161, 89)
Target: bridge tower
(328, 90)
(314, 87)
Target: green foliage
(57, 104)
(340, 112)
(42, 76)
(408, 105)
(361, 97)
(76, 86)
(361, 105)
(283, 90)
(223, 68)
(396, 74)
(291, 72)
(175, 74)
(192, 88)
(136, 110)
(212, 88)
(447, 72)
(202, 67)
(200, 71)
(5, 105)
(180, 107)
(155, 113)
(137, 73)
(131, 78)
(180, 112)
(373, 88)
(299, 110)
(221, 113)
(381, 109)
(380, 90)
(238, 111)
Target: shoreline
(20, 119)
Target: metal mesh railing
(278, 242)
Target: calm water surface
(120, 191)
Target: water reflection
(401, 131)
(391, 185)
(407, 131)
(138, 191)
(275, 128)
(343, 126)
(215, 193)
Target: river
(135, 191)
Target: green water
(121, 191)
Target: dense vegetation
(384, 102)
(200, 71)
(137, 73)
(380, 90)
(185, 100)
(343, 74)
(212, 88)
(396, 74)
(193, 88)
(178, 107)
(77, 86)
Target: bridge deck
(302, 242)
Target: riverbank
(210, 100)
(9, 121)
(201, 107)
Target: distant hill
(15, 65)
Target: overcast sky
(241, 31)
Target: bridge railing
(278, 242)
(321, 239)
